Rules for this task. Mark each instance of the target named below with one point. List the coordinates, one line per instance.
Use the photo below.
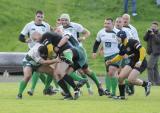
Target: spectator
(133, 7)
(152, 37)
(158, 3)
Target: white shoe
(134, 14)
(90, 91)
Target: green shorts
(124, 62)
(82, 58)
(116, 64)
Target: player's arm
(49, 62)
(63, 41)
(22, 38)
(142, 54)
(23, 33)
(96, 45)
(85, 34)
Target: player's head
(58, 22)
(119, 23)
(43, 52)
(121, 36)
(39, 17)
(154, 26)
(65, 19)
(36, 36)
(108, 24)
(126, 19)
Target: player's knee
(131, 80)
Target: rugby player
(76, 30)
(136, 53)
(107, 37)
(40, 26)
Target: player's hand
(28, 40)
(81, 39)
(101, 52)
(138, 64)
(108, 62)
(56, 49)
(58, 60)
(94, 55)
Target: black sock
(122, 89)
(63, 85)
(70, 81)
(144, 84)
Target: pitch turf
(86, 104)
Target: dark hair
(43, 51)
(39, 12)
(109, 19)
(155, 22)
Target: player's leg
(35, 77)
(133, 77)
(94, 77)
(121, 77)
(113, 71)
(59, 72)
(90, 91)
(27, 70)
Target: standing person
(107, 37)
(76, 30)
(136, 54)
(152, 37)
(129, 27)
(119, 26)
(40, 26)
(134, 13)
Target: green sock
(48, 81)
(22, 86)
(42, 76)
(35, 77)
(87, 84)
(75, 76)
(68, 55)
(126, 82)
(108, 82)
(93, 76)
(55, 83)
(114, 83)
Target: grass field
(90, 13)
(86, 104)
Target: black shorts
(141, 68)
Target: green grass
(86, 104)
(90, 13)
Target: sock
(22, 86)
(70, 81)
(43, 78)
(68, 55)
(114, 83)
(63, 85)
(87, 84)
(48, 81)
(108, 82)
(144, 84)
(122, 90)
(35, 77)
(55, 83)
(126, 82)
(75, 76)
(93, 76)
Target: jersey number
(107, 44)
